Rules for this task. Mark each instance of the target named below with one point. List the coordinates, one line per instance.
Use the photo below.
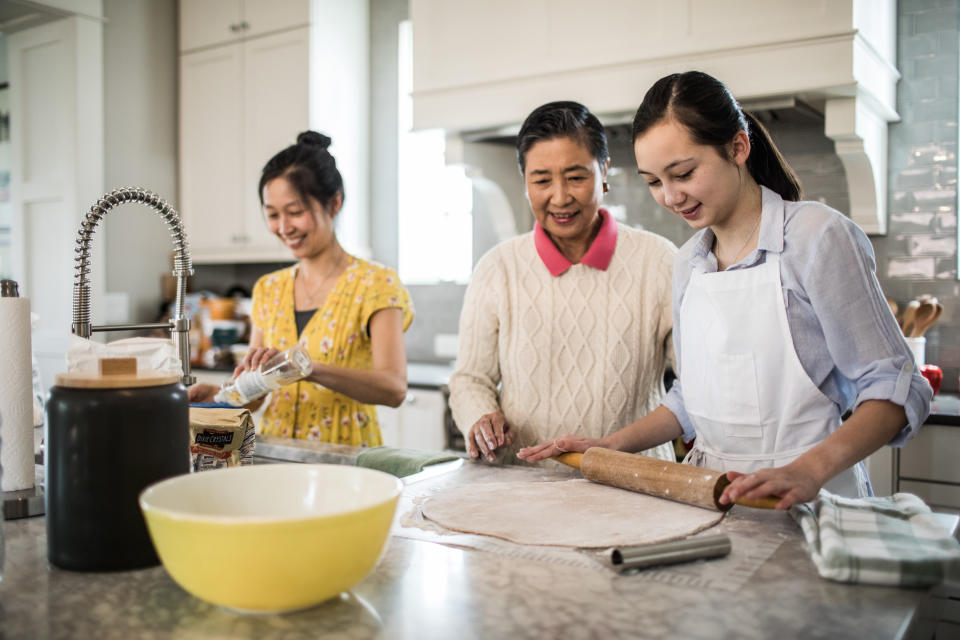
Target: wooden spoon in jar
(908, 317)
(927, 313)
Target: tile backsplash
(919, 253)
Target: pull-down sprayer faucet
(179, 324)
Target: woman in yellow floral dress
(349, 313)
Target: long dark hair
(308, 166)
(711, 114)
(565, 119)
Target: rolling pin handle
(767, 502)
(571, 459)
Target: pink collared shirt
(598, 255)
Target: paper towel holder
(22, 503)
(179, 324)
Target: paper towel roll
(16, 395)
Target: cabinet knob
(236, 27)
(244, 25)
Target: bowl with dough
(274, 537)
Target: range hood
(837, 56)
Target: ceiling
(23, 14)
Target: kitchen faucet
(179, 324)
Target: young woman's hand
(563, 444)
(488, 434)
(202, 392)
(254, 358)
(792, 484)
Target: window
(435, 200)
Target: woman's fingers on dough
(498, 426)
(509, 435)
(471, 447)
(482, 436)
(471, 440)
(481, 444)
(537, 452)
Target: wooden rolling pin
(674, 481)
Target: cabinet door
(276, 109)
(421, 421)
(266, 16)
(208, 22)
(211, 148)
(389, 419)
(932, 455)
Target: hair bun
(313, 138)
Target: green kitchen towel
(892, 540)
(400, 462)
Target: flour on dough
(569, 513)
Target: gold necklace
(306, 291)
(742, 247)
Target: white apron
(751, 402)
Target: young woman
(566, 328)
(349, 313)
(779, 322)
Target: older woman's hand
(563, 444)
(488, 434)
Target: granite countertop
(422, 589)
(945, 410)
(420, 375)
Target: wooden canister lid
(116, 373)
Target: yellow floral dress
(337, 334)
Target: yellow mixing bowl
(274, 537)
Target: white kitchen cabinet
(486, 64)
(206, 23)
(927, 466)
(246, 96)
(239, 104)
(415, 424)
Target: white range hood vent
(836, 55)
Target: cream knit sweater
(580, 353)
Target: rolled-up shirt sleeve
(673, 400)
(862, 337)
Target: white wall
(339, 107)
(4, 73)
(385, 18)
(56, 105)
(140, 109)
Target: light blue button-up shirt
(847, 339)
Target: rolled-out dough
(569, 513)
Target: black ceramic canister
(108, 438)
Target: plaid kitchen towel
(400, 462)
(893, 540)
